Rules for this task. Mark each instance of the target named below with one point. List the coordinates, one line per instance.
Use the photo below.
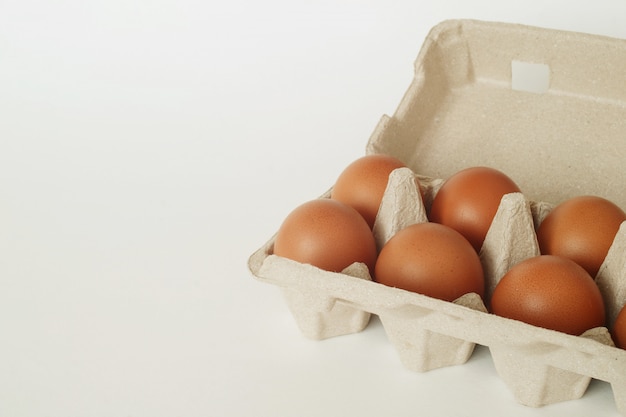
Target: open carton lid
(535, 104)
(546, 107)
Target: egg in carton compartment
(535, 104)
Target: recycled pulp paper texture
(461, 110)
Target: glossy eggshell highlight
(581, 229)
(362, 184)
(619, 329)
(550, 292)
(327, 234)
(430, 259)
(469, 200)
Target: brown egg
(468, 201)
(619, 329)
(430, 259)
(551, 292)
(327, 234)
(362, 184)
(581, 229)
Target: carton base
(420, 349)
(533, 383)
(324, 317)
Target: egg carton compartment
(540, 366)
(468, 105)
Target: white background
(147, 148)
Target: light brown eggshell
(550, 292)
(362, 184)
(430, 259)
(327, 234)
(469, 200)
(581, 229)
(619, 329)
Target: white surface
(147, 148)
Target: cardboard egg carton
(547, 108)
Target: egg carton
(535, 104)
